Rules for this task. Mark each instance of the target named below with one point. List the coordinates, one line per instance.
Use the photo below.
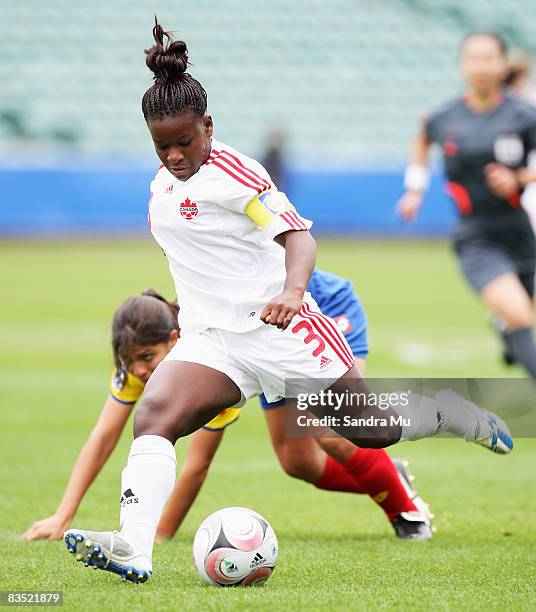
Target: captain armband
(266, 206)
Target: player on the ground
(241, 258)
(144, 329)
(486, 137)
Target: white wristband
(416, 178)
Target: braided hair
(174, 90)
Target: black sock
(521, 343)
(499, 326)
(508, 353)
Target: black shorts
(492, 246)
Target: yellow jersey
(128, 389)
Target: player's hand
(409, 204)
(502, 180)
(282, 309)
(51, 528)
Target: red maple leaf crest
(188, 209)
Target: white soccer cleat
(415, 525)
(483, 427)
(110, 551)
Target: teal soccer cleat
(473, 423)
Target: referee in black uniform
(488, 138)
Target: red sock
(336, 478)
(376, 474)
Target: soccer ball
(235, 546)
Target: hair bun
(150, 292)
(168, 61)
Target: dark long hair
(141, 320)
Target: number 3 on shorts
(310, 336)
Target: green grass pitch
(337, 551)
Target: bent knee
(159, 418)
(339, 449)
(293, 464)
(520, 319)
(374, 442)
(381, 438)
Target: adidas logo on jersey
(169, 189)
(258, 559)
(128, 498)
(324, 361)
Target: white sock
(419, 418)
(425, 417)
(462, 417)
(146, 484)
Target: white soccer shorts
(311, 353)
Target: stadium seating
(342, 86)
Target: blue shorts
(345, 308)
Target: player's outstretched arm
(300, 259)
(203, 446)
(94, 454)
(416, 178)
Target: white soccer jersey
(225, 267)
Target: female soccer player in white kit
(221, 224)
